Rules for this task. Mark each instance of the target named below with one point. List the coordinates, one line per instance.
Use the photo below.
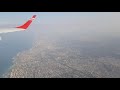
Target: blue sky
(98, 19)
(42, 17)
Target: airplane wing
(19, 28)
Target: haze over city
(61, 45)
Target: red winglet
(25, 26)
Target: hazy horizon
(62, 44)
